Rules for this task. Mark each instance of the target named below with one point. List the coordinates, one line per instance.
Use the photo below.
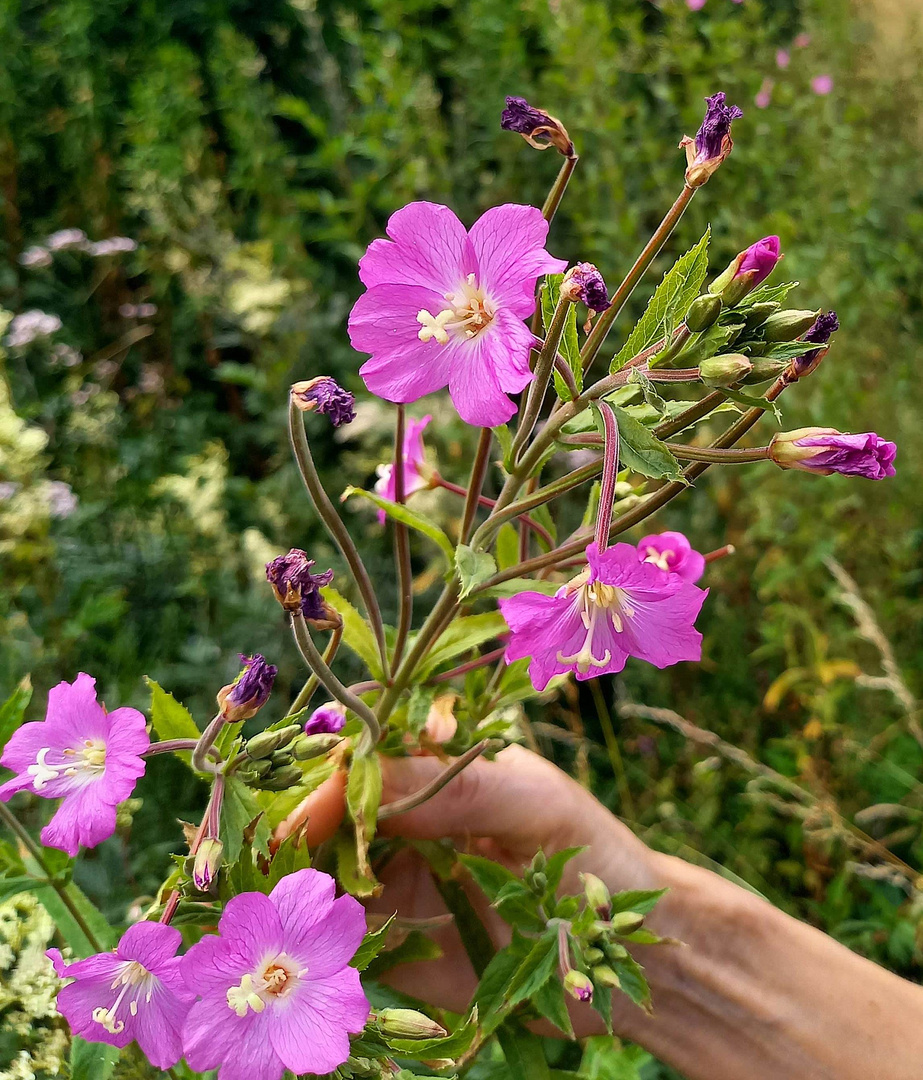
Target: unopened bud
(207, 863)
(578, 985)
(280, 779)
(626, 922)
(597, 895)
(267, 742)
(281, 757)
(538, 883)
(249, 692)
(409, 1024)
(762, 369)
(614, 950)
(306, 747)
(702, 346)
(605, 976)
(703, 311)
(756, 314)
(539, 862)
(724, 370)
(594, 955)
(788, 325)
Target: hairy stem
(717, 456)
(303, 700)
(206, 742)
(471, 665)
(476, 482)
(610, 472)
(401, 547)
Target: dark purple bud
(296, 588)
(712, 142)
(825, 326)
(826, 450)
(250, 691)
(585, 283)
(327, 720)
(538, 128)
(325, 395)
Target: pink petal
(302, 899)
(542, 627)
(251, 925)
(21, 751)
(431, 248)
(151, 944)
(662, 633)
(85, 819)
(214, 1035)
(158, 1027)
(509, 347)
(473, 383)
(212, 965)
(74, 710)
(127, 736)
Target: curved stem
(336, 528)
(167, 746)
(476, 482)
(205, 744)
(303, 700)
(410, 802)
(457, 489)
(401, 547)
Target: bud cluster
(270, 756)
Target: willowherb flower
(618, 607)
(444, 307)
(783, 58)
(712, 142)
(28, 326)
(250, 691)
(746, 270)
(826, 451)
(585, 283)
(79, 753)
(136, 993)
(671, 551)
(65, 238)
(822, 84)
(329, 719)
(112, 245)
(296, 588)
(326, 396)
(538, 128)
(825, 326)
(62, 501)
(35, 257)
(412, 460)
(277, 991)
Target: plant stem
(308, 690)
(316, 663)
(206, 741)
(210, 823)
(689, 416)
(476, 483)
(623, 292)
(717, 456)
(457, 489)
(336, 528)
(553, 201)
(471, 665)
(610, 472)
(535, 394)
(409, 802)
(169, 745)
(15, 825)
(401, 547)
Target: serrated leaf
(642, 452)
(494, 985)
(505, 438)
(291, 855)
(602, 1003)
(13, 710)
(781, 350)
(555, 865)
(463, 635)
(418, 707)
(753, 402)
(169, 718)
(490, 876)
(239, 809)
(679, 287)
(518, 905)
(569, 346)
(403, 514)
(372, 944)
(363, 797)
(415, 947)
(357, 633)
(473, 568)
(523, 1052)
(549, 1001)
(536, 969)
(641, 901)
(517, 585)
(649, 390)
(767, 294)
(634, 984)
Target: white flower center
(87, 762)
(275, 978)
(132, 976)
(595, 600)
(659, 558)
(468, 312)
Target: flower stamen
(469, 312)
(90, 760)
(132, 974)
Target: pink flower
(826, 451)
(764, 95)
(329, 719)
(695, 5)
(412, 460)
(135, 993)
(276, 988)
(802, 41)
(81, 754)
(444, 307)
(671, 551)
(618, 607)
(783, 58)
(822, 84)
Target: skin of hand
(751, 992)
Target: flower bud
(408, 1024)
(788, 325)
(585, 283)
(327, 720)
(597, 895)
(539, 862)
(296, 588)
(249, 692)
(538, 883)
(306, 747)
(701, 346)
(762, 369)
(724, 370)
(256, 769)
(538, 128)
(614, 950)
(264, 744)
(626, 922)
(747, 270)
(280, 779)
(207, 863)
(594, 955)
(326, 396)
(826, 451)
(756, 314)
(712, 142)
(578, 985)
(280, 757)
(703, 312)
(605, 976)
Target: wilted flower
(326, 396)
(250, 691)
(277, 991)
(28, 326)
(79, 753)
(538, 128)
(826, 450)
(444, 307)
(135, 993)
(712, 143)
(411, 461)
(65, 238)
(327, 720)
(822, 84)
(825, 326)
(585, 283)
(112, 245)
(671, 551)
(618, 607)
(35, 257)
(296, 588)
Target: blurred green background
(252, 151)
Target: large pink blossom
(444, 307)
(277, 991)
(412, 459)
(134, 993)
(79, 753)
(618, 607)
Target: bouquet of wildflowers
(257, 957)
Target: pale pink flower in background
(802, 41)
(764, 95)
(822, 84)
(783, 58)
(65, 238)
(412, 460)
(695, 5)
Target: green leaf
(418, 707)
(357, 633)
(463, 635)
(554, 867)
(536, 969)
(641, 901)
(12, 886)
(767, 294)
(680, 286)
(291, 855)
(68, 927)
(507, 546)
(473, 568)
(517, 585)
(493, 989)
(605, 1058)
(649, 391)
(363, 797)
(641, 452)
(779, 350)
(416, 946)
(92, 1061)
(602, 1004)
(524, 1053)
(490, 876)
(13, 710)
(754, 402)
(372, 944)
(518, 905)
(407, 517)
(569, 347)
(452, 1045)
(239, 809)
(549, 1001)
(169, 718)
(634, 984)
(505, 438)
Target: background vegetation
(253, 150)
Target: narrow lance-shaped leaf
(408, 517)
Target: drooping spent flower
(412, 464)
(444, 307)
(296, 588)
(618, 607)
(325, 395)
(79, 753)
(825, 326)
(826, 451)
(136, 993)
(671, 551)
(585, 283)
(712, 143)
(277, 991)
(327, 720)
(250, 691)
(538, 128)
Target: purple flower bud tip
(760, 259)
(585, 283)
(251, 689)
(329, 719)
(716, 127)
(823, 329)
(325, 395)
(296, 588)
(826, 450)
